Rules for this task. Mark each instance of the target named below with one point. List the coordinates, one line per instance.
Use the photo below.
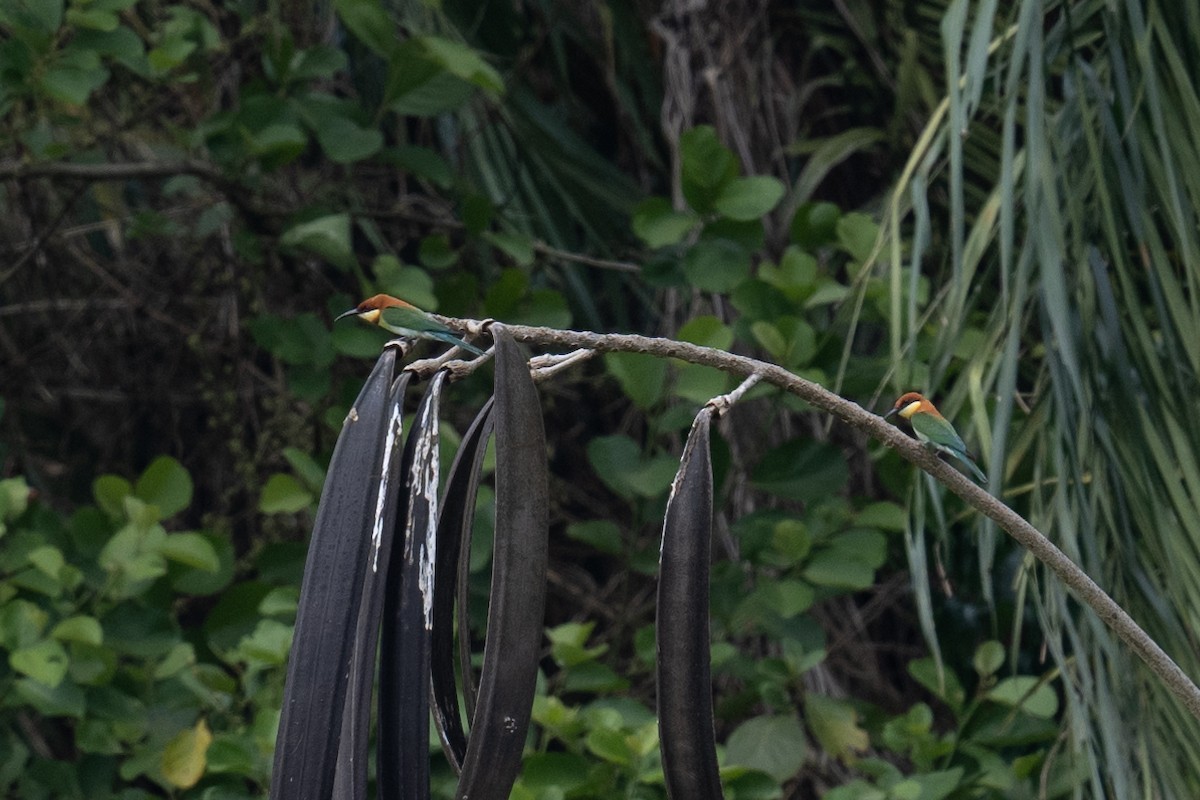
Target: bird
(933, 429)
(405, 319)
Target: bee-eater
(933, 429)
(405, 319)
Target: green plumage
(413, 322)
(939, 433)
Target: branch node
(724, 402)
(402, 344)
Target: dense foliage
(192, 190)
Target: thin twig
(580, 258)
(1084, 588)
(725, 402)
(544, 367)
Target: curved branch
(1084, 588)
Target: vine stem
(1083, 587)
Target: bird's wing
(412, 319)
(938, 431)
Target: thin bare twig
(581, 258)
(1084, 588)
(725, 402)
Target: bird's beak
(890, 413)
(351, 313)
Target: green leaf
(464, 63)
(716, 265)
(327, 237)
(567, 642)
(417, 86)
(1030, 694)
(657, 224)
(708, 331)
(73, 76)
(790, 340)
(280, 602)
(369, 23)
(792, 597)
(943, 685)
(44, 16)
(862, 544)
(345, 141)
(184, 757)
(884, 515)
(699, 384)
(989, 657)
(165, 484)
(400, 280)
(745, 199)
(311, 474)
(857, 233)
(179, 657)
(283, 494)
(517, 246)
(232, 753)
(827, 292)
(745, 784)
(794, 277)
(133, 555)
(279, 143)
(802, 470)
(45, 662)
(706, 165)
(193, 550)
(601, 534)
(610, 745)
(554, 772)
(935, 785)
(48, 560)
(618, 462)
(834, 569)
(791, 540)
(94, 19)
(834, 723)
(79, 629)
(775, 745)
(642, 377)
(321, 61)
(436, 252)
(421, 162)
(14, 499)
(64, 700)
(267, 644)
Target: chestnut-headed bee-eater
(933, 429)
(405, 319)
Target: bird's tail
(450, 338)
(974, 468)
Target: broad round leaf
(165, 484)
(745, 199)
(774, 745)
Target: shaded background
(192, 191)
